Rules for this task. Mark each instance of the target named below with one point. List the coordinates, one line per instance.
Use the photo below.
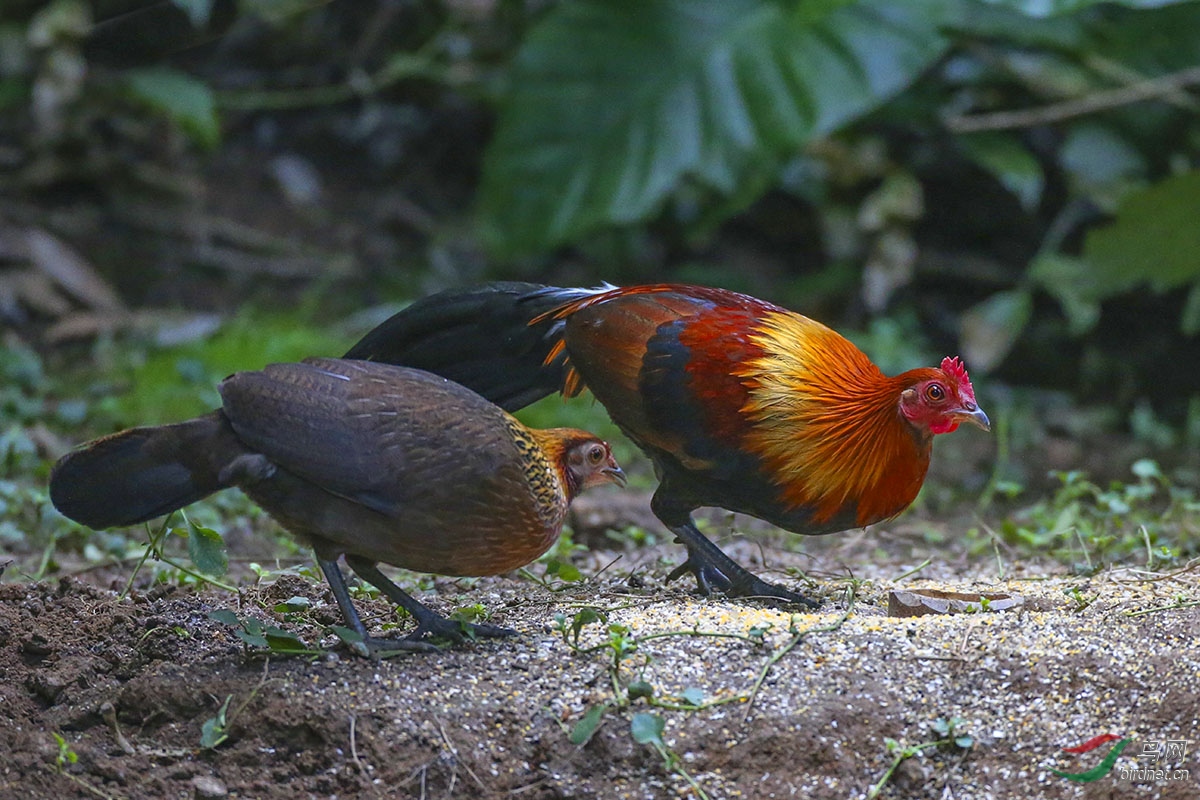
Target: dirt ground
(129, 684)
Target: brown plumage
(371, 461)
(741, 404)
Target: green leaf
(1073, 283)
(1100, 160)
(1189, 320)
(583, 731)
(226, 617)
(252, 639)
(1146, 469)
(563, 570)
(990, 327)
(293, 604)
(206, 549)
(693, 695)
(647, 728)
(281, 641)
(1155, 237)
(1150, 41)
(616, 103)
(183, 99)
(214, 731)
(1012, 164)
(1044, 8)
(198, 11)
(639, 689)
(347, 635)
(586, 616)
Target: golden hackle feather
(826, 422)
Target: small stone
(207, 787)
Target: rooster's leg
(429, 623)
(711, 566)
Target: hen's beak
(615, 474)
(974, 414)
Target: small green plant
(622, 649)
(206, 550)
(1080, 600)
(215, 730)
(466, 615)
(557, 561)
(627, 658)
(1179, 602)
(950, 734)
(66, 755)
(632, 536)
(648, 729)
(64, 758)
(1088, 526)
(254, 634)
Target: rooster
(739, 403)
(376, 462)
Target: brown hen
(374, 462)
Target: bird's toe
(757, 589)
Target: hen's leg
(429, 622)
(370, 645)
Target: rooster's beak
(974, 414)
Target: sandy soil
(129, 684)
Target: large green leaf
(1046, 8)
(1155, 238)
(991, 327)
(614, 103)
(1012, 164)
(184, 99)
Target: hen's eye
(935, 392)
(596, 454)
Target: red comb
(956, 370)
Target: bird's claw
(427, 632)
(774, 594)
(374, 647)
(455, 631)
(747, 585)
(707, 576)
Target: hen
(376, 462)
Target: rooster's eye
(935, 392)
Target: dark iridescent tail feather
(481, 338)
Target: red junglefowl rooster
(740, 404)
(376, 462)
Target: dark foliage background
(1014, 181)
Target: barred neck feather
(827, 424)
(543, 454)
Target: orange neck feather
(827, 423)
